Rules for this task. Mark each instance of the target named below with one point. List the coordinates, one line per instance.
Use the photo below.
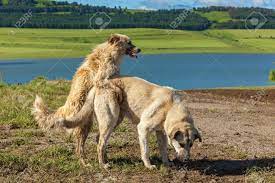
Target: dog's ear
(172, 134)
(114, 38)
(177, 132)
(177, 97)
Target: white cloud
(145, 8)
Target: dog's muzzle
(132, 52)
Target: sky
(168, 4)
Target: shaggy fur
(153, 108)
(99, 66)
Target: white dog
(151, 107)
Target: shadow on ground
(227, 167)
(211, 167)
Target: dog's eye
(129, 42)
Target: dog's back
(142, 97)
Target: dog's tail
(82, 116)
(42, 114)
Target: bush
(272, 75)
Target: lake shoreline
(180, 71)
(141, 55)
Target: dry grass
(29, 155)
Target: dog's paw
(86, 165)
(106, 166)
(151, 167)
(186, 158)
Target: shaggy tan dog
(103, 63)
(153, 108)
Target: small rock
(212, 181)
(237, 133)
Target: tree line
(73, 15)
(61, 15)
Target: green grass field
(53, 43)
(216, 16)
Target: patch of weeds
(114, 143)
(123, 127)
(235, 153)
(213, 110)
(56, 158)
(125, 162)
(13, 162)
(17, 100)
(19, 142)
(272, 75)
(38, 81)
(259, 175)
(240, 154)
(164, 171)
(29, 134)
(2, 84)
(167, 173)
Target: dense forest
(52, 14)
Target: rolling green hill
(216, 16)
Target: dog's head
(124, 44)
(181, 131)
(182, 139)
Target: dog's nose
(138, 50)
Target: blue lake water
(181, 71)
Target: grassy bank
(272, 75)
(29, 155)
(54, 43)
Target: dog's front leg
(144, 146)
(162, 143)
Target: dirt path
(238, 128)
(245, 122)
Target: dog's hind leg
(120, 120)
(107, 112)
(81, 137)
(105, 133)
